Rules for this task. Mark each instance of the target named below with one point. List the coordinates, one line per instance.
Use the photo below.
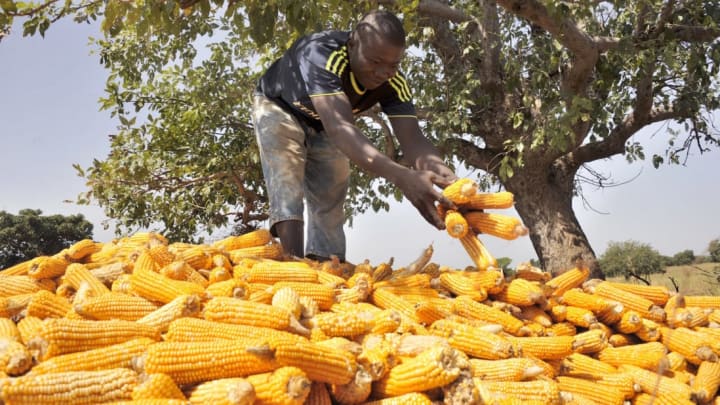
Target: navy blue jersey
(317, 64)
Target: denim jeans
(299, 164)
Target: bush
(714, 250)
(630, 258)
(683, 258)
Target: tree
(714, 250)
(30, 234)
(683, 258)
(631, 259)
(528, 93)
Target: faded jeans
(299, 164)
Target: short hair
(384, 23)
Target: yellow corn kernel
(461, 191)
(223, 391)
(645, 355)
(499, 225)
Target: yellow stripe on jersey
(355, 85)
(400, 85)
(337, 61)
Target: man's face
(373, 60)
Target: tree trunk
(543, 198)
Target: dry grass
(694, 279)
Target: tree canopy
(30, 234)
(631, 259)
(525, 93)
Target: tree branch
(491, 76)
(32, 11)
(615, 143)
(481, 158)
(436, 9)
(568, 34)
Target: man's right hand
(418, 186)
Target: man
(304, 124)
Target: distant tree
(714, 249)
(683, 258)
(30, 234)
(504, 264)
(631, 259)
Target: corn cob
(482, 201)
(47, 267)
(570, 279)
(318, 395)
(432, 368)
(641, 305)
(235, 311)
(413, 398)
(157, 385)
(189, 362)
(120, 355)
(591, 341)
(657, 294)
(29, 326)
(584, 366)
(473, 340)
(254, 238)
(320, 362)
(322, 294)
(428, 312)
(44, 304)
(218, 273)
(581, 317)
(652, 383)
(15, 359)
(343, 323)
(561, 329)
(522, 293)
(156, 287)
(385, 299)
(455, 224)
(188, 329)
(646, 355)
(461, 191)
(19, 269)
(224, 391)
(459, 284)
(180, 270)
(288, 299)
(706, 382)
(492, 281)
(649, 331)
(61, 336)
(511, 369)
(591, 390)
(356, 391)
(695, 346)
(524, 392)
(477, 252)
(114, 305)
(272, 250)
(161, 254)
(19, 284)
(80, 249)
(74, 387)
(543, 347)
(228, 288)
(77, 273)
(499, 225)
(466, 307)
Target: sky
(50, 120)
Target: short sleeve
(316, 67)
(398, 100)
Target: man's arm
(419, 150)
(417, 185)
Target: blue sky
(50, 119)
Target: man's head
(376, 46)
